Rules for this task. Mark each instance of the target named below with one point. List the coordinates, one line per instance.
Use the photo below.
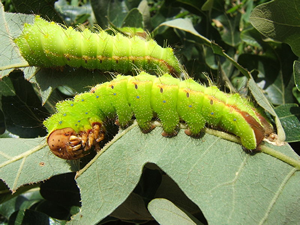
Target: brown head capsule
(67, 144)
(60, 144)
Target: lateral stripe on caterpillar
(78, 123)
(47, 44)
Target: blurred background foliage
(270, 52)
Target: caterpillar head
(67, 144)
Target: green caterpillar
(47, 44)
(78, 123)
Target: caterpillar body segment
(47, 44)
(147, 97)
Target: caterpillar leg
(146, 127)
(165, 134)
(67, 144)
(170, 125)
(189, 132)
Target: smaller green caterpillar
(79, 123)
(47, 44)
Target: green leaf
(145, 11)
(261, 100)
(165, 212)
(109, 11)
(61, 190)
(74, 14)
(296, 72)
(45, 8)
(168, 189)
(35, 217)
(132, 209)
(11, 27)
(296, 94)
(214, 173)
(6, 87)
(208, 5)
(133, 19)
(186, 25)
(20, 202)
(228, 28)
(289, 116)
(274, 75)
(279, 20)
(252, 37)
(24, 161)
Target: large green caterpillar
(47, 44)
(78, 123)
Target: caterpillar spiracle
(79, 123)
(47, 44)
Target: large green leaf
(274, 75)
(112, 11)
(289, 115)
(165, 212)
(228, 28)
(279, 19)
(225, 182)
(24, 161)
(10, 28)
(214, 173)
(297, 74)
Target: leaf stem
(23, 155)
(293, 162)
(19, 65)
(223, 135)
(267, 150)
